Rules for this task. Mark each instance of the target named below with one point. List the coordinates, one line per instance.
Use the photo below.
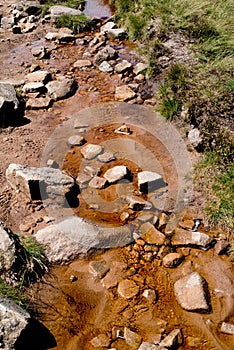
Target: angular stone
(117, 34)
(221, 246)
(91, 151)
(123, 67)
(105, 54)
(74, 237)
(60, 37)
(151, 235)
(91, 171)
(149, 181)
(107, 26)
(40, 52)
(99, 268)
(76, 140)
(149, 346)
(34, 87)
(194, 137)
(139, 68)
(116, 173)
(83, 179)
(132, 339)
(227, 328)
(102, 340)
(106, 157)
(128, 289)
(61, 88)
(8, 98)
(173, 339)
(150, 295)
(39, 76)
(58, 11)
(105, 67)
(97, 182)
(35, 183)
(39, 103)
(82, 63)
(190, 292)
(8, 248)
(124, 93)
(137, 203)
(190, 238)
(14, 321)
(172, 259)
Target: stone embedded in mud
(61, 88)
(37, 183)
(151, 235)
(150, 295)
(227, 328)
(172, 259)
(123, 67)
(8, 248)
(39, 103)
(42, 76)
(173, 339)
(117, 34)
(60, 37)
(105, 54)
(132, 339)
(124, 93)
(149, 346)
(190, 238)
(98, 182)
(99, 268)
(128, 289)
(40, 52)
(102, 340)
(75, 237)
(191, 293)
(116, 173)
(82, 63)
(149, 181)
(221, 246)
(105, 67)
(106, 157)
(137, 203)
(76, 140)
(34, 87)
(14, 321)
(139, 68)
(91, 151)
(58, 11)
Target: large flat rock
(58, 11)
(74, 237)
(190, 238)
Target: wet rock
(76, 140)
(91, 151)
(194, 137)
(91, 171)
(97, 182)
(39, 103)
(227, 328)
(191, 293)
(148, 346)
(123, 67)
(132, 339)
(128, 289)
(106, 157)
(189, 238)
(14, 321)
(34, 87)
(149, 295)
(149, 181)
(58, 11)
(102, 340)
(42, 76)
(75, 237)
(151, 235)
(172, 260)
(172, 340)
(105, 67)
(221, 246)
(99, 268)
(124, 93)
(37, 183)
(105, 54)
(116, 173)
(139, 68)
(116, 34)
(83, 179)
(8, 248)
(137, 203)
(61, 88)
(82, 63)
(163, 220)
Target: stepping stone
(116, 173)
(172, 259)
(190, 292)
(91, 151)
(190, 238)
(124, 93)
(173, 339)
(123, 67)
(82, 63)
(106, 157)
(151, 235)
(97, 182)
(149, 181)
(128, 289)
(76, 140)
(33, 87)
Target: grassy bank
(204, 89)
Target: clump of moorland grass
(77, 24)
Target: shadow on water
(35, 336)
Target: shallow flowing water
(98, 8)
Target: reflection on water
(97, 8)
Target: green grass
(77, 24)
(15, 294)
(70, 3)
